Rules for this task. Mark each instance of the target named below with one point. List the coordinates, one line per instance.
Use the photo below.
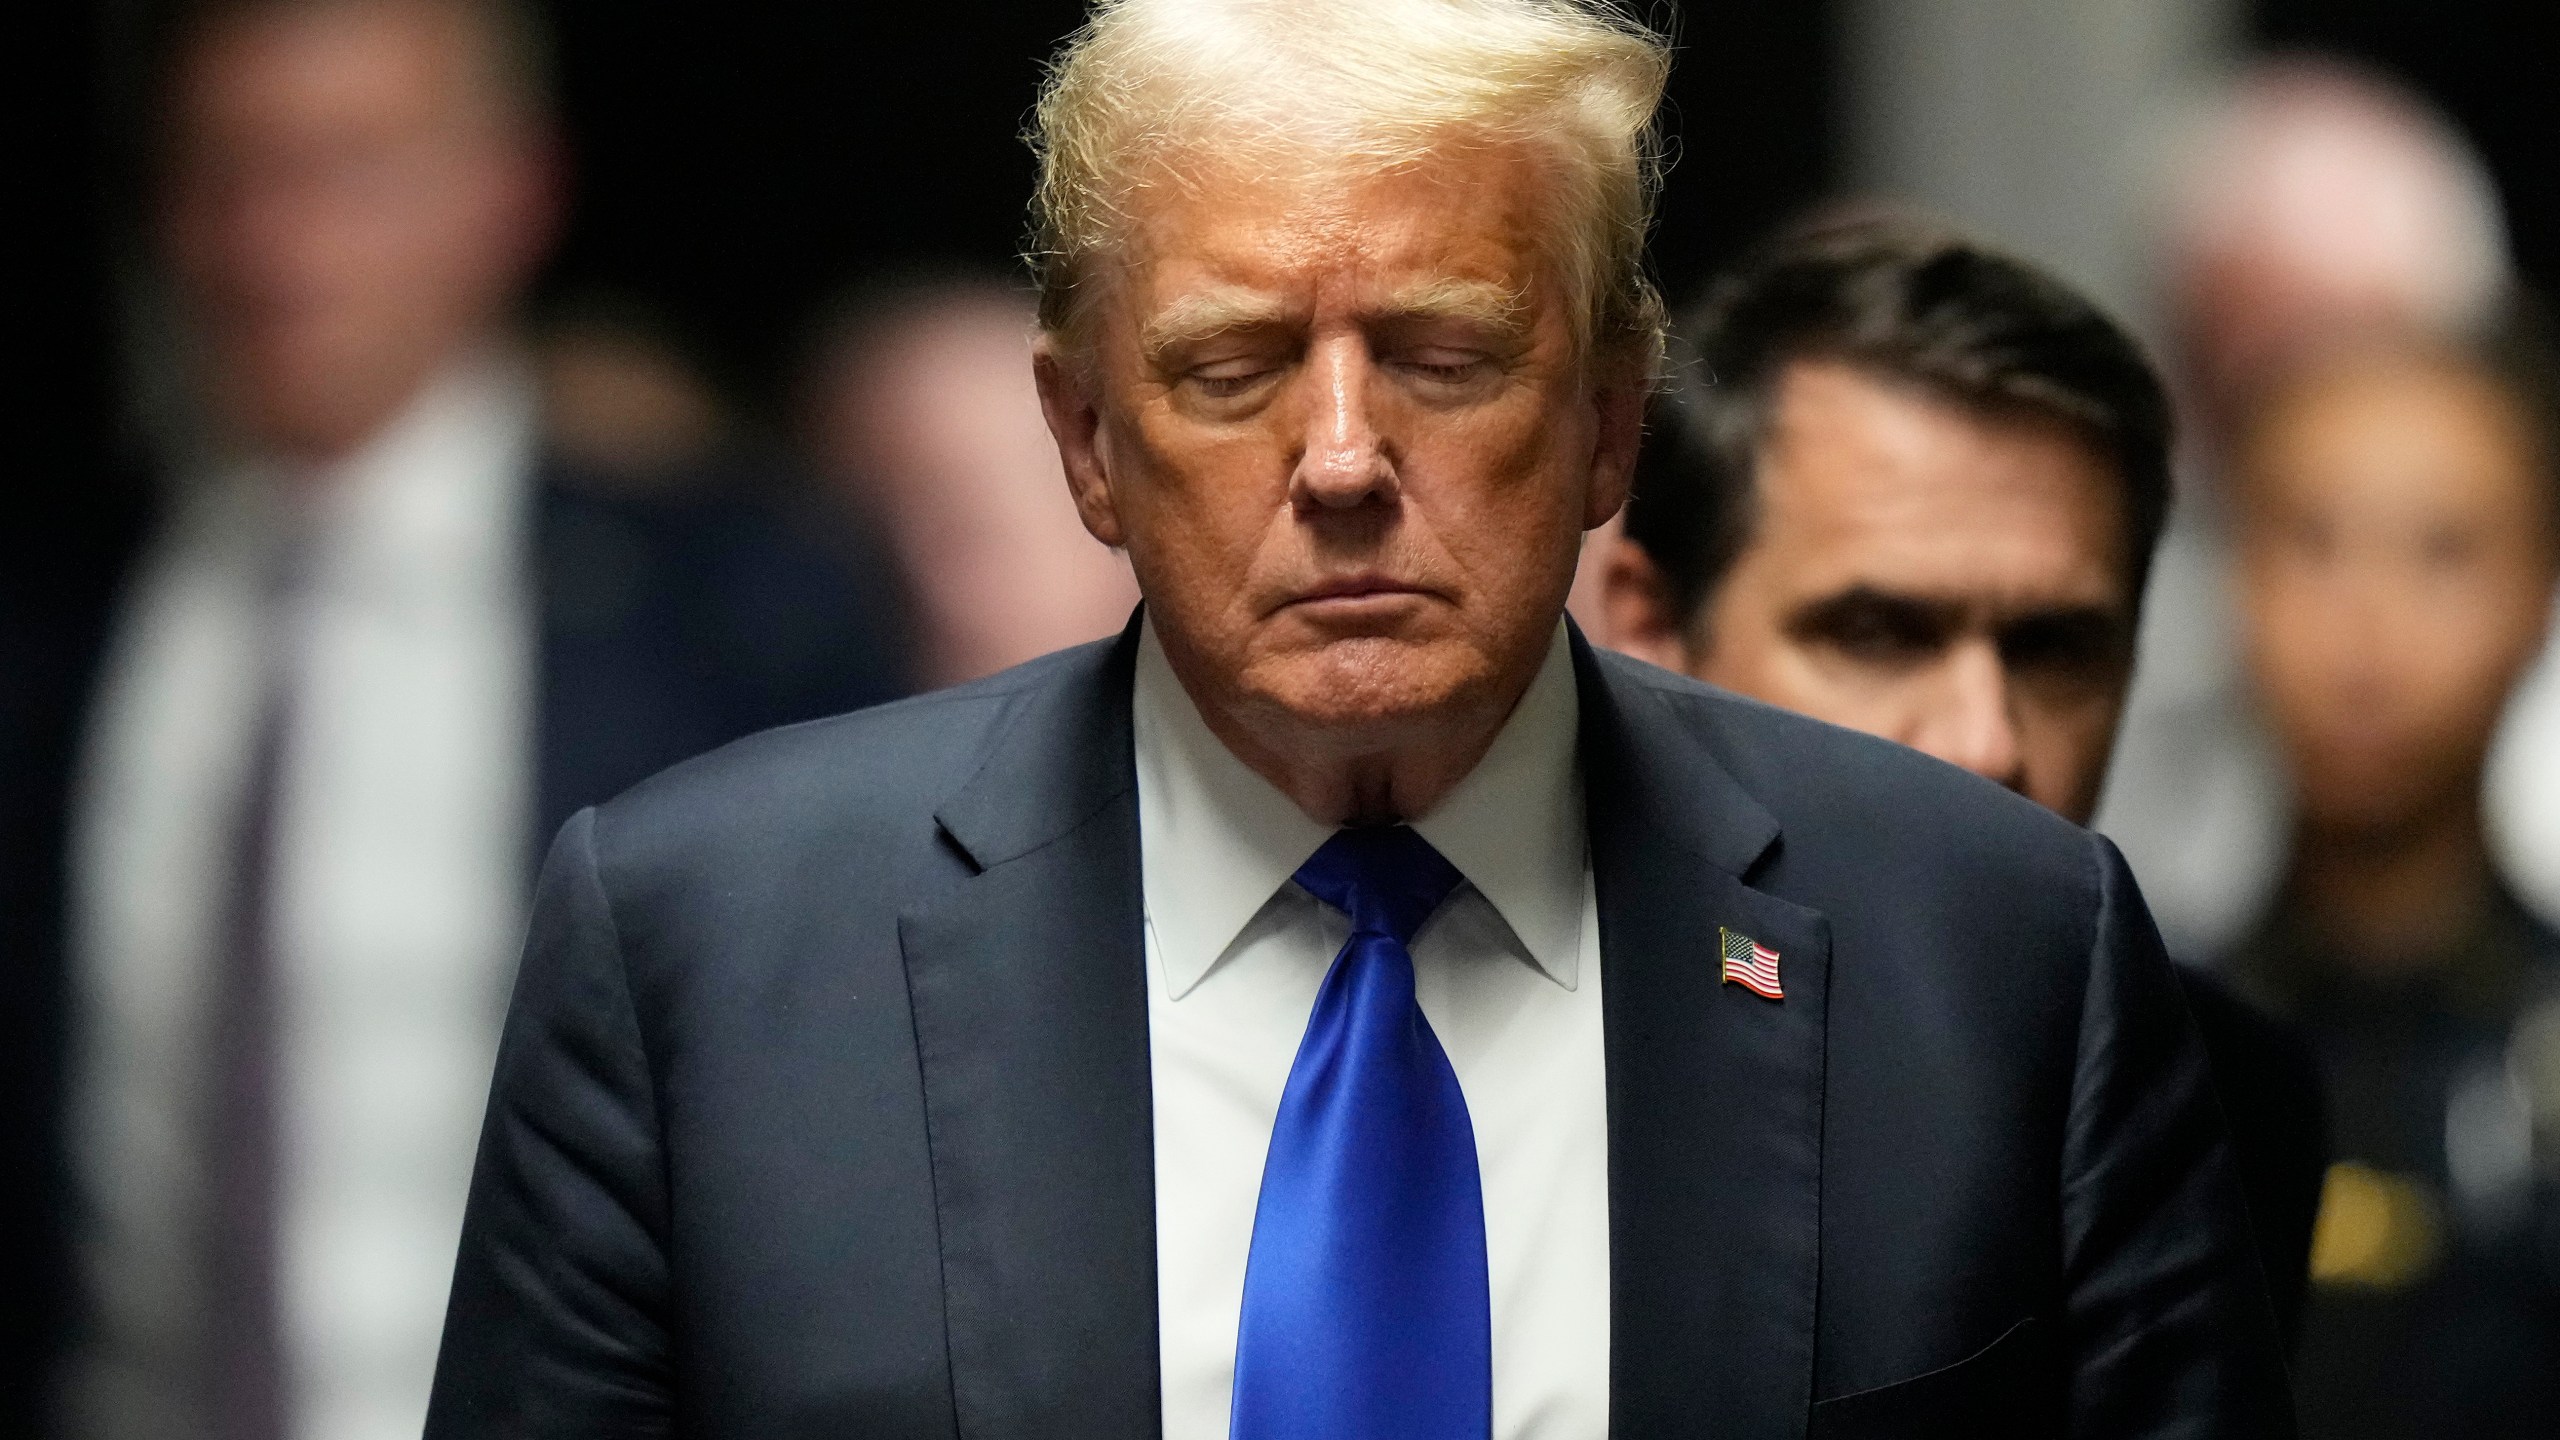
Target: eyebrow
(1944, 616)
(1211, 313)
(1474, 302)
(1208, 314)
(1828, 613)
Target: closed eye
(1452, 371)
(1227, 386)
(1444, 373)
(1231, 377)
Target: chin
(1371, 689)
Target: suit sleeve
(2168, 1327)
(558, 1320)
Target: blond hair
(1148, 88)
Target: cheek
(1512, 499)
(1748, 654)
(2067, 731)
(1195, 512)
(2293, 631)
(2458, 669)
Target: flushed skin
(1350, 438)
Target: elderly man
(1346, 1005)
(1918, 499)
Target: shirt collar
(1514, 826)
(1217, 840)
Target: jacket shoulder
(865, 779)
(1840, 792)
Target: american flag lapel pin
(1751, 965)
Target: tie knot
(1386, 878)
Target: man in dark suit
(1919, 497)
(282, 754)
(1347, 1004)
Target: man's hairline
(1696, 630)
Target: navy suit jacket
(823, 1107)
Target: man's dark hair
(1910, 305)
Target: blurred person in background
(622, 403)
(919, 408)
(2312, 199)
(1912, 487)
(2398, 533)
(381, 643)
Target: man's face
(1924, 573)
(1344, 432)
(2396, 571)
(348, 202)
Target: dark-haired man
(1912, 487)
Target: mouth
(1353, 593)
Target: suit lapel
(1028, 982)
(1715, 1094)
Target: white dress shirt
(1508, 973)
(396, 909)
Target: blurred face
(2396, 577)
(1344, 432)
(349, 202)
(1923, 573)
(2243, 310)
(936, 425)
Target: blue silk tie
(1367, 1309)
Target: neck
(1339, 784)
(313, 440)
(2390, 900)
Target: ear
(1636, 607)
(1074, 413)
(1619, 406)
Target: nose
(1343, 461)
(1971, 718)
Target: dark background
(738, 163)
